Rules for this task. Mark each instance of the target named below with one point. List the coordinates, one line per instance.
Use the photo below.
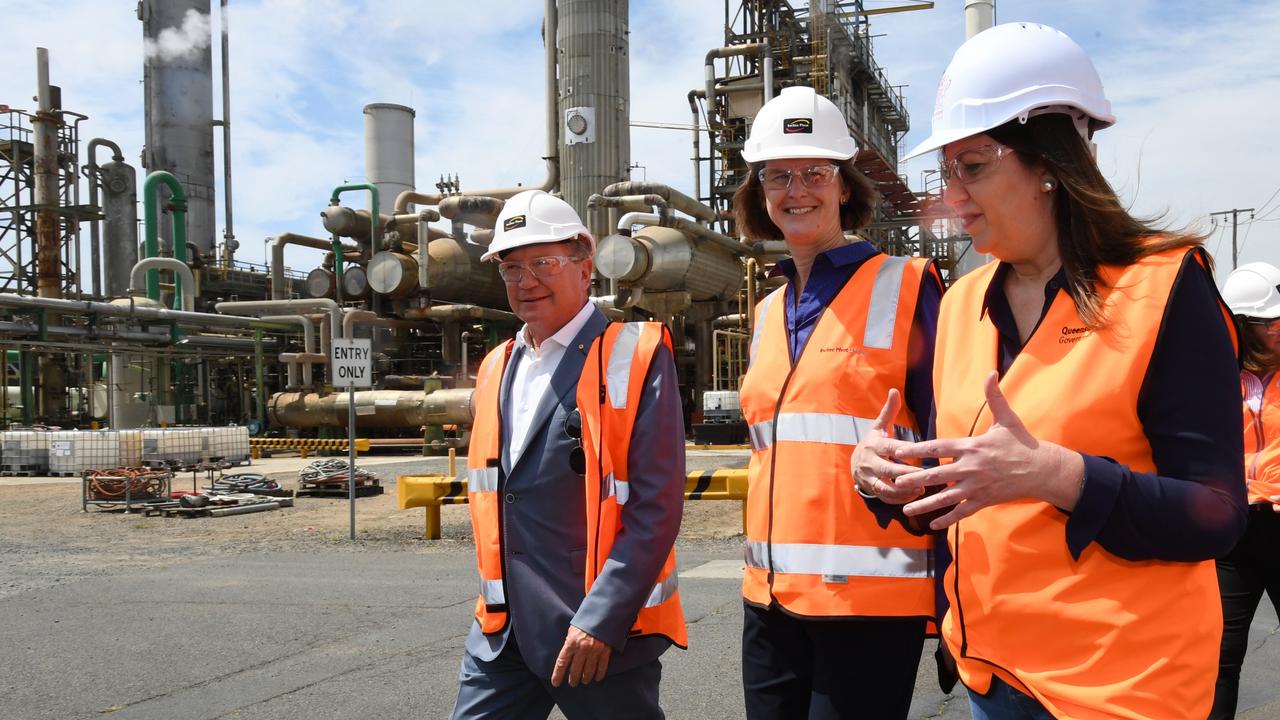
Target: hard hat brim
(537, 240)
(796, 152)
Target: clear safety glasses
(973, 164)
(813, 176)
(1270, 326)
(541, 267)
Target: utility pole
(1235, 224)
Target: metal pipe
(753, 266)
(697, 145)
(300, 305)
(666, 219)
(424, 257)
(678, 200)
(375, 408)
(228, 233)
(631, 219)
(308, 343)
(138, 277)
(978, 16)
(766, 56)
(550, 26)
(709, 71)
(475, 210)
(95, 227)
(278, 290)
(457, 312)
(373, 221)
(129, 310)
(45, 158)
(351, 316)
(151, 223)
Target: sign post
(352, 365)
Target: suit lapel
(564, 381)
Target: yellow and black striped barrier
(432, 491)
(302, 445)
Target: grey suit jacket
(544, 522)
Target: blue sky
(1196, 93)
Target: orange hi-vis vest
(812, 546)
(609, 390)
(1261, 435)
(1099, 637)
(608, 410)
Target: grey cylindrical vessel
(388, 151)
(120, 228)
(178, 82)
(661, 258)
(374, 408)
(595, 101)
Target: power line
(1263, 207)
(1235, 225)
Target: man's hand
(583, 659)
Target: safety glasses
(973, 164)
(813, 176)
(542, 267)
(1270, 326)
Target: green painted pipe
(151, 225)
(373, 222)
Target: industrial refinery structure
(160, 323)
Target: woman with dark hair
(836, 604)
(1252, 292)
(1086, 410)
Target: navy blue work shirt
(1190, 410)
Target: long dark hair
(1256, 355)
(752, 215)
(1094, 228)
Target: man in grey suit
(549, 640)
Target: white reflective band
(492, 592)
(758, 330)
(840, 560)
(828, 428)
(663, 591)
(482, 479)
(619, 370)
(882, 311)
(620, 490)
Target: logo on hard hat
(792, 126)
(513, 222)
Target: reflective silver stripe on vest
(619, 370)
(758, 330)
(663, 591)
(882, 311)
(819, 428)
(615, 488)
(482, 479)
(840, 560)
(492, 592)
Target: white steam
(181, 42)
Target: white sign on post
(352, 362)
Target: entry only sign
(352, 362)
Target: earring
(1048, 185)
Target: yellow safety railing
(302, 445)
(433, 491)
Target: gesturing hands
(1003, 464)
(583, 658)
(873, 467)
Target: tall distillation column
(595, 100)
(178, 78)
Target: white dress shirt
(533, 371)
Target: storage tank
(388, 151)
(71, 452)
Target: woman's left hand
(1003, 464)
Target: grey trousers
(506, 689)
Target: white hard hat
(799, 123)
(532, 217)
(1251, 290)
(1015, 70)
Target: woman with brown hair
(1252, 567)
(1085, 384)
(835, 603)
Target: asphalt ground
(341, 629)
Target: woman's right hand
(874, 471)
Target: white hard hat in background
(799, 123)
(1015, 70)
(532, 217)
(1251, 290)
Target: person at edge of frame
(1088, 410)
